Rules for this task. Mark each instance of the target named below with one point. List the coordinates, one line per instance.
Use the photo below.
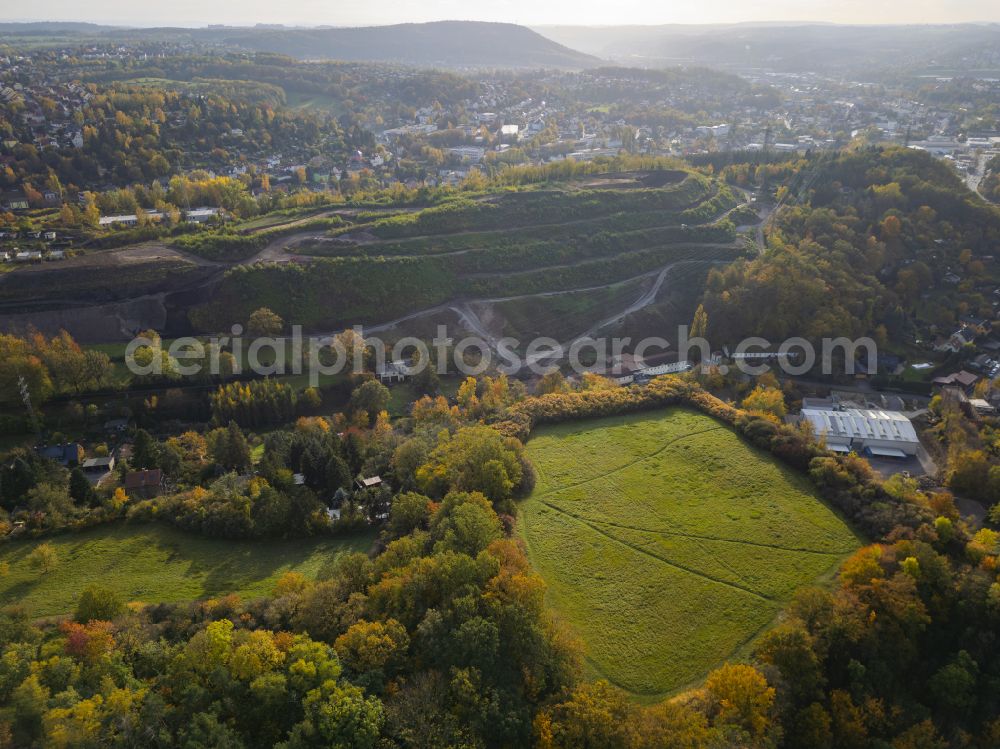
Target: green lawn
(668, 543)
(154, 563)
(307, 100)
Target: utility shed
(877, 432)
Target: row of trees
(47, 367)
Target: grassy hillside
(668, 543)
(152, 563)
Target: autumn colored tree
(770, 401)
(742, 698)
(264, 322)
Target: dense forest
(441, 637)
(861, 248)
(138, 134)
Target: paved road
(972, 180)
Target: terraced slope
(552, 240)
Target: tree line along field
(668, 543)
(156, 563)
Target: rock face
(97, 324)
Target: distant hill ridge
(443, 42)
(793, 47)
(439, 43)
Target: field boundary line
(699, 537)
(631, 463)
(660, 559)
(656, 452)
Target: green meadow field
(668, 543)
(155, 563)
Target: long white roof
(865, 424)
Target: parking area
(886, 467)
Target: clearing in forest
(668, 543)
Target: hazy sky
(363, 12)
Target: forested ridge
(860, 248)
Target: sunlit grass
(668, 543)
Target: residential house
(95, 469)
(14, 202)
(394, 371)
(958, 340)
(67, 454)
(144, 484)
(964, 380)
(373, 482)
(979, 324)
(982, 407)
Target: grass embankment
(535, 207)
(154, 563)
(668, 543)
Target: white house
(394, 371)
(200, 215)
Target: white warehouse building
(884, 434)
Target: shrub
(98, 603)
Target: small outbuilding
(373, 482)
(99, 466)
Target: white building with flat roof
(885, 434)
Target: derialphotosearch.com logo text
(353, 352)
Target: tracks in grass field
(675, 565)
(639, 459)
(594, 524)
(696, 536)
(666, 564)
(605, 528)
(471, 320)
